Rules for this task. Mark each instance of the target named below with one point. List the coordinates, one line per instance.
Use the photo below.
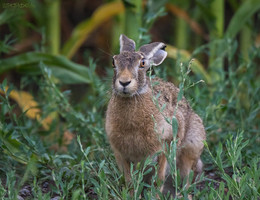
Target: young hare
(132, 114)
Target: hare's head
(130, 66)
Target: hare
(132, 114)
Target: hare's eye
(113, 62)
(142, 64)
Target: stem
(133, 20)
(53, 26)
(118, 28)
(182, 27)
(181, 34)
(217, 9)
(245, 41)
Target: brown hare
(131, 113)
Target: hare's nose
(124, 84)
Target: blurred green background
(55, 74)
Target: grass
(86, 169)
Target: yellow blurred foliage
(27, 103)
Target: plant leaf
(64, 69)
(5, 16)
(245, 11)
(82, 31)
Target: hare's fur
(136, 128)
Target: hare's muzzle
(125, 86)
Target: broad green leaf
(64, 69)
(245, 11)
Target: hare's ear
(154, 52)
(126, 44)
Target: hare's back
(167, 93)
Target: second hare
(131, 114)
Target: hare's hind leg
(197, 168)
(191, 147)
(162, 164)
(184, 164)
